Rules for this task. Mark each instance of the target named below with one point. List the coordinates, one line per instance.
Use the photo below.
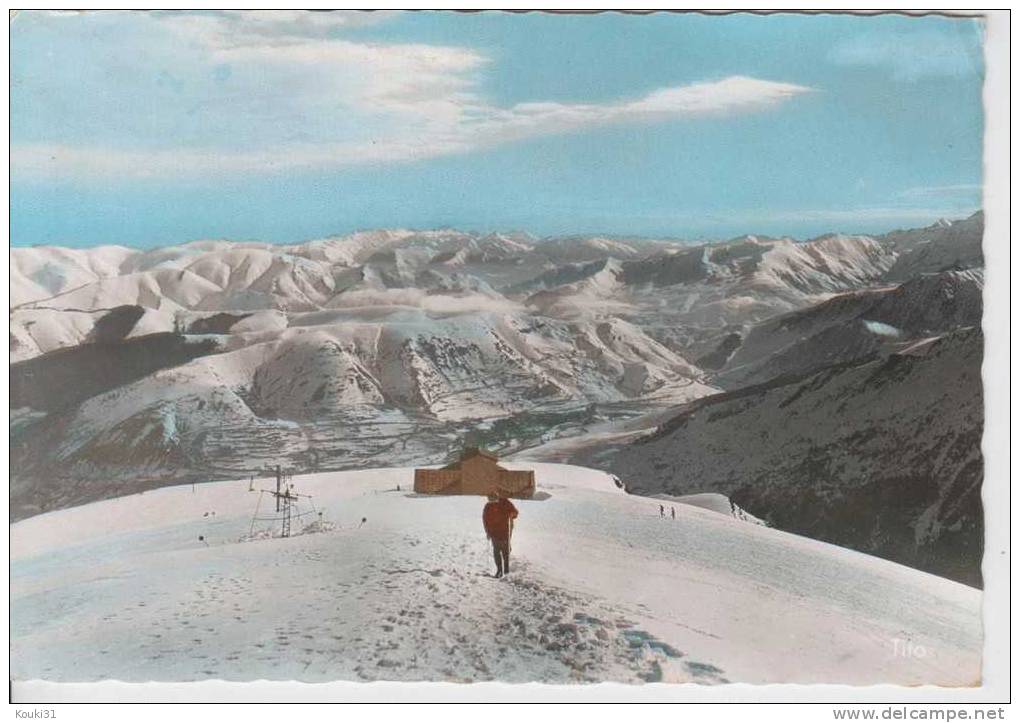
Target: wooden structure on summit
(475, 473)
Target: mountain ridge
(399, 346)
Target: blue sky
(153, 128)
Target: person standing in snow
(662, 511)
(672, 511)
(498, 519)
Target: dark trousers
(501, 552)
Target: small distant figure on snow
(662, 511)
(398, 488)
(672, 511)
(498, 520)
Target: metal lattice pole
(286, 517)
(277, 488)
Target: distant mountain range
(133, 369)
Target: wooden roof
(468, 453)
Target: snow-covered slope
(44, 271)
(579, 249)
(336, 389)
(780, 266)
(853, 326)
(882, 456)
(693, 299)
(601, 589)
(713, 501)
(945, 245)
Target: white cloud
(61, 160)
(228, 28)
(915, 54)
(373, 78)
(735, 94)
(913, 216)
(305, 97)
(964, 190)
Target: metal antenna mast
(285, 530)
(286, 500)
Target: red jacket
(497, 517)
